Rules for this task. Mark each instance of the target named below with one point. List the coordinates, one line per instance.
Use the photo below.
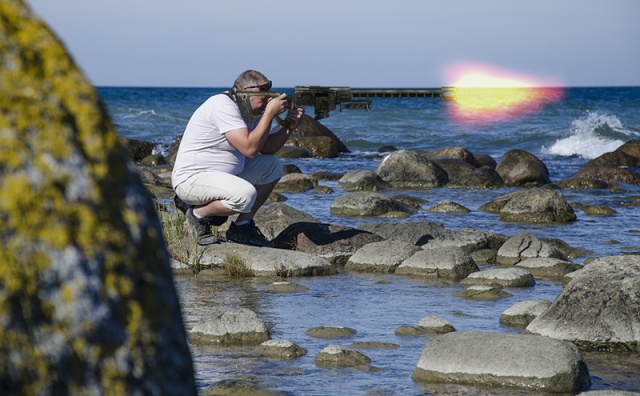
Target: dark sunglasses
(262, 88)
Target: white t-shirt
(204, 147)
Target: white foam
(591, 136)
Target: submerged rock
(229, 327)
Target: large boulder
(610, 175)
(599, 309)
(312, 128)
(87, 300)
(519, 168)
(411, 169)
(498, 359)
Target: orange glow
(488, 94)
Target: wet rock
(479, 292)
(537, 205)
(153, 160)
(362, 181)
(289, 151)
(373, 345)
(435, 324)
(334, 243)
(614, 159)
(448, 206)
(525, 245)
(610, 175)
(526, 362)
(137, 149)
(548, 267)
(598, 210)
(599, 309)
(410, 331)
(364, 204)
(519, 168)
(325, 175)
(631, 147)
(331, 332)
(285, 287)
(455, 152)
(503, 277)
(280, 349)
(383, 256)
(296, 182)
(582, 183)
(522, 313)
(274, 218)
(479, 178)
(410, 168)
(334, 356)
(229, 327)
(447, 262)
(323, 190)
(238, 387)
(318, 146)
(290, 168)
(87, 300)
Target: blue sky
(357, 43)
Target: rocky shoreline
(570, 325)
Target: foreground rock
(87, 300)
(229, 327)
(599, 309)
(526, 362)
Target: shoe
(201, 229)
(247, 234)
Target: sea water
(578, 125)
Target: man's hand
(277, 106)
(294, 118)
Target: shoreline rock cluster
(424, 249)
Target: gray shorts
(235, 192)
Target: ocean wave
(591, 136)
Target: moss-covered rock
(87, 301)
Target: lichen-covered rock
(87, 301)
